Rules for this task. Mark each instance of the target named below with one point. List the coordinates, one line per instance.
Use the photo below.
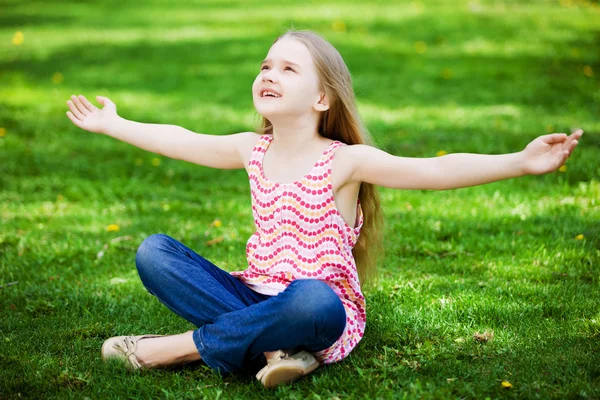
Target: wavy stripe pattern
(300, 234)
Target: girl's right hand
(89, 117)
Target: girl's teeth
(270, 94)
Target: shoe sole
(283, 374)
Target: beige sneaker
(124, 348)
(283, 368)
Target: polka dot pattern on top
(300, 234)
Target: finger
(572, 145)
(575, 135)
(578, 132)
(86, 103)
(84, 111)
(572, 141)
(105, 101)
(73, 119)
(75, 110)
(554, 137)
(567, 143)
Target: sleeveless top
(300, 234)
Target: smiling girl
(313, 174)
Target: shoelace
(279, 355)
(128, 348)
(282, 355)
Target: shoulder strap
(330, 152)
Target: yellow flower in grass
(563, 168)
(217, 223)
(57, 78)
(441, 153)
(2, 132)
(339, 26)
(420, 47)
(156, 161)
(506, 384)
(215, 241)
(112, 228)
(18, 38)
(579, 237)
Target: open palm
(89, 117)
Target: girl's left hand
(549, 152)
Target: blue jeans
(236, 324)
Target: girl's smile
(266, 92)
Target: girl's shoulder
(349, 158)
(246, 144)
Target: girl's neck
(287, 140)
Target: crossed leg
(236, 324)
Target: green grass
(502, 257)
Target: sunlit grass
(488, 291)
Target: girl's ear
(323, 102)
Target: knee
(314, 300)
(312, 296)
(148, 253)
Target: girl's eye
(266, 66)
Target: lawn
(484, 292)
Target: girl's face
(290, 74)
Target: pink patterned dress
(300, 234)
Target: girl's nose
(268, 77)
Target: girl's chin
(269, 112)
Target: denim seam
(330, 342)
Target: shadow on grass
(223, 69)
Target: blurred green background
(517, 259)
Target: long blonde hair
(342, 122)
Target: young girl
(312, 174)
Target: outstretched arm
(215, 151)
(544, 154)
